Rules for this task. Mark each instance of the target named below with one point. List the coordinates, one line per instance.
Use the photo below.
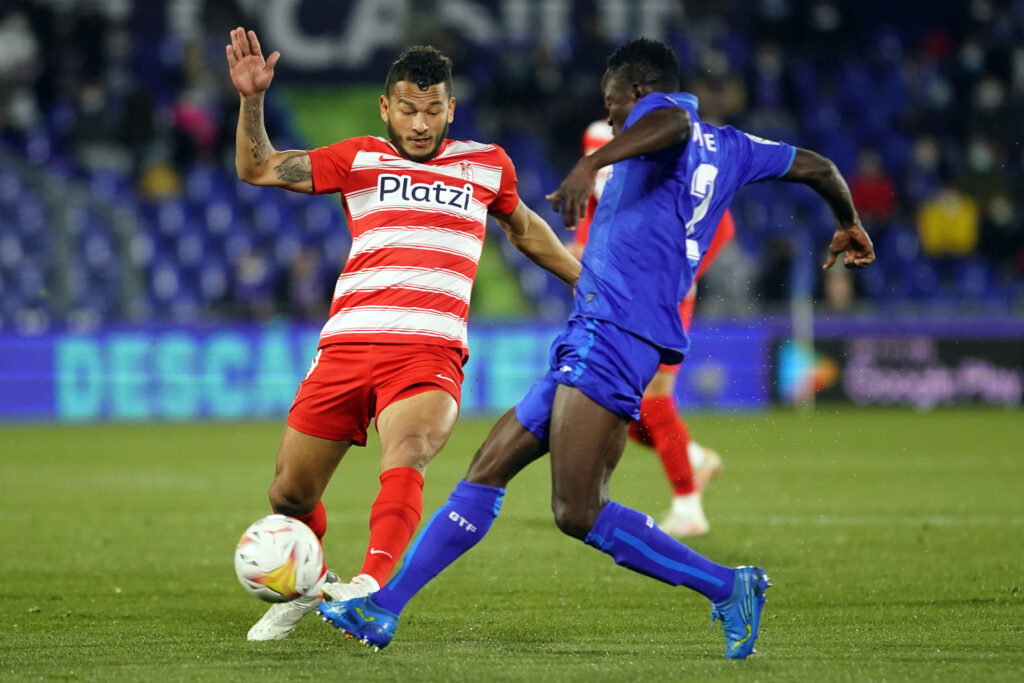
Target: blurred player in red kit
(393, 347)
(689, 466)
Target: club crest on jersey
(437, 195)
(467, 170)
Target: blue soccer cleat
(741, 612)
(361, 619)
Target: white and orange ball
(278, 559)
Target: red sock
(393, 520)
(316, 520)
(670, 438)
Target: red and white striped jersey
(417, 234)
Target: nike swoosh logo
(363, 616)
(374, 551)
(447, 378)
(381, 157)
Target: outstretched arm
(530, 234)
(256, 160)
(656, 130)
(822, 176)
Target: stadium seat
(973, 280)
(213, 281)
(108, 185)
(11, 248)
(99, 249)
(171, 217)
(204, 183)
(164, 280)
(219, 215)
(190, 247)
(12, 188)
(925, 284)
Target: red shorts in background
(350, 384)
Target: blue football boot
(361, 619)
(740, 612)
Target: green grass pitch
(895, 541)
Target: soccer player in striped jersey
(672, 178)
(394, 345)
(688, 465)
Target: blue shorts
(611, 366)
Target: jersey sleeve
(759, 159)
(331, 165)
(507, 198)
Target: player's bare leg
(586, 443)
(304, 466)
(412, 431)
(507, 450)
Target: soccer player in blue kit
(673, 177)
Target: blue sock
(456, 527)
(635, 542)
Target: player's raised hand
(854, 243)
(250, 74)
(570, 199)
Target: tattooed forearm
(254, 113)
(294, 168)
(259, 143)
(256, 160)
(252, 146)
(260, 148)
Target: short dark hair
(646, 61)
(423, 65)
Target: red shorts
(349, 384)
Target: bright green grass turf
(895, 541)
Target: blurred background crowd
(119, 202)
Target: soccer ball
(278, 559)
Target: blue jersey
(656, 218)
